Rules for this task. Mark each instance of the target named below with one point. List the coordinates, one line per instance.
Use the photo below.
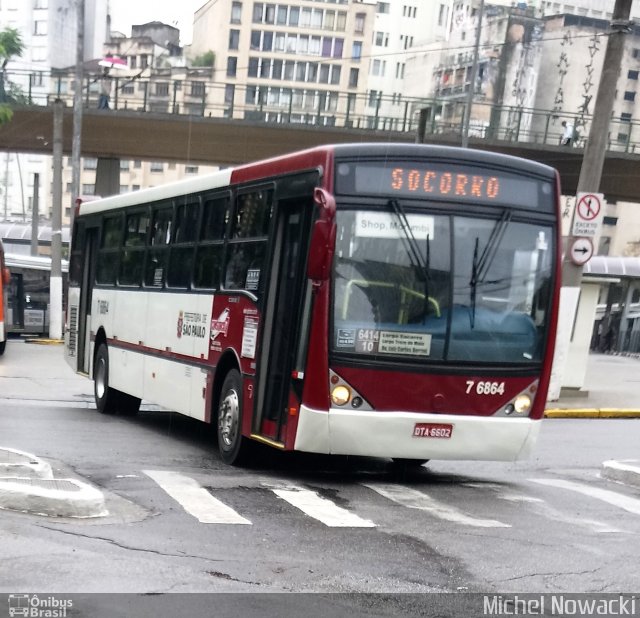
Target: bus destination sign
(451, 182)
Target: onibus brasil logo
(35, 606)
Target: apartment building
(47, 27)
(294, 61)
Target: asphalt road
(549, 524)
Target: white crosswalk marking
(541, 507)
(195, 499)
(413, 499)
(320, 508)
(611, 497)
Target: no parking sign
(588, 215)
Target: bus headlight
(340, 395)
(522, 404)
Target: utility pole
(55, 282)
(474, 76)
(77, 112)
(593, 161)
(35, 215)
(577, 308)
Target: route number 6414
(485, 388)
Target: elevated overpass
(222, 141)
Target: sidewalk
(611, 390)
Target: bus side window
(210, 249)
(136, 229)
(159, 238)
(247, 247)
(183, 246)
(109, 253)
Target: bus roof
(319, 157)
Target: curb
(27, 485)
(14, 463)
(592, 413)
(53, 497)
(625, 471)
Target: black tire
(106, 397)
(3, 345)
(233, 446)
(409, 463)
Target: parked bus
(393, 300)
(4, 282)
(27, 310)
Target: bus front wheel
(2, 346)
(106, 397)
(234, 448)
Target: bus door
(15, 303)
(89, 248)
(285, 317)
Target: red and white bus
(393, 300)
(5, 278)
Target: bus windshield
(419, 287)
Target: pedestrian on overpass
(105, 90)
(568, 134)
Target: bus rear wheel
(2, 347)
(106, 397)
(234, 448)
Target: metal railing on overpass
(308, 105)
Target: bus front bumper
(391, 434)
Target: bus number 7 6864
(485, 388)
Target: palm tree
(10, 45)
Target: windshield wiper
(482, 264)
(413, 250)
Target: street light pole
(77, 111)
(474, 77)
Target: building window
(636, 52)
(234, 39)
(629, 95)
(232, 66)
(359, 23)
(382, 7)
(190, 169)
(144, 61)
(124, 165)
(40, 28)
(356, 51)
(162, 89)
(236, 12)
(124, 189)
(353, 78)
(442, 14)
(623, 138)
(625, 117)
(382, 39)
(133, 62)
(632, 75)
(197, 89)
(89, 163)
(373, 97)
(88, 189)
(137, 164)
(156, 166)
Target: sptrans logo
(34, 606)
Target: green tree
(11, 45)
(204, 60)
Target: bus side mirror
(323, 237)
(6, 276)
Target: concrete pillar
(108, 177)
